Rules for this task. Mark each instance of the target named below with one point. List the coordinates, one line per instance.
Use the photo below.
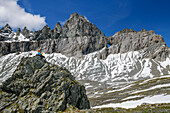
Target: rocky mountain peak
(78, 25)
(143, 30)
(25, 32)
(58, 28)
(45, 29)
(126, 30)
(6, 29)
(77, 16)
(74, 15)
(18, 32)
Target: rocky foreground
(37, 86)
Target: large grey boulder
(38, 86)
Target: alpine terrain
(128, 69)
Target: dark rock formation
(18, 32)
(28, 34)
(45, 33)
(6, 29)
(4, 32)
(2, 38)
(37, 86)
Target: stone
(6, 29)
(38, 86)
(77, 25)
(18, 32)
(153, 45)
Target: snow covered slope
(155, 90)
(13, 37)
(117, 67)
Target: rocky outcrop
(4, 32)
(153, 45)
(18, 32)
(57, 30)
(7, 47)
(6, 29)
(28, 34)
(38, 86)
(77, 25)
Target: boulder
(38, 86)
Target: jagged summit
(77, 25)
(76, 15)
(79, 37)
(6, 29)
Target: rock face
(5, 31)
(78, 25)
(80, 37)
(28, 34)
(37, 86)
(153, 45)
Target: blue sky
(109, 16)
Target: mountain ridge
(80, 37)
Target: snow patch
(133, 104)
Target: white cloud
(15, 16)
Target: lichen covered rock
(37, 86)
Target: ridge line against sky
(109, 16)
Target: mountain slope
(120, 86)
(37, 86)
(117, 67)
(155, 90)
(105, 65)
